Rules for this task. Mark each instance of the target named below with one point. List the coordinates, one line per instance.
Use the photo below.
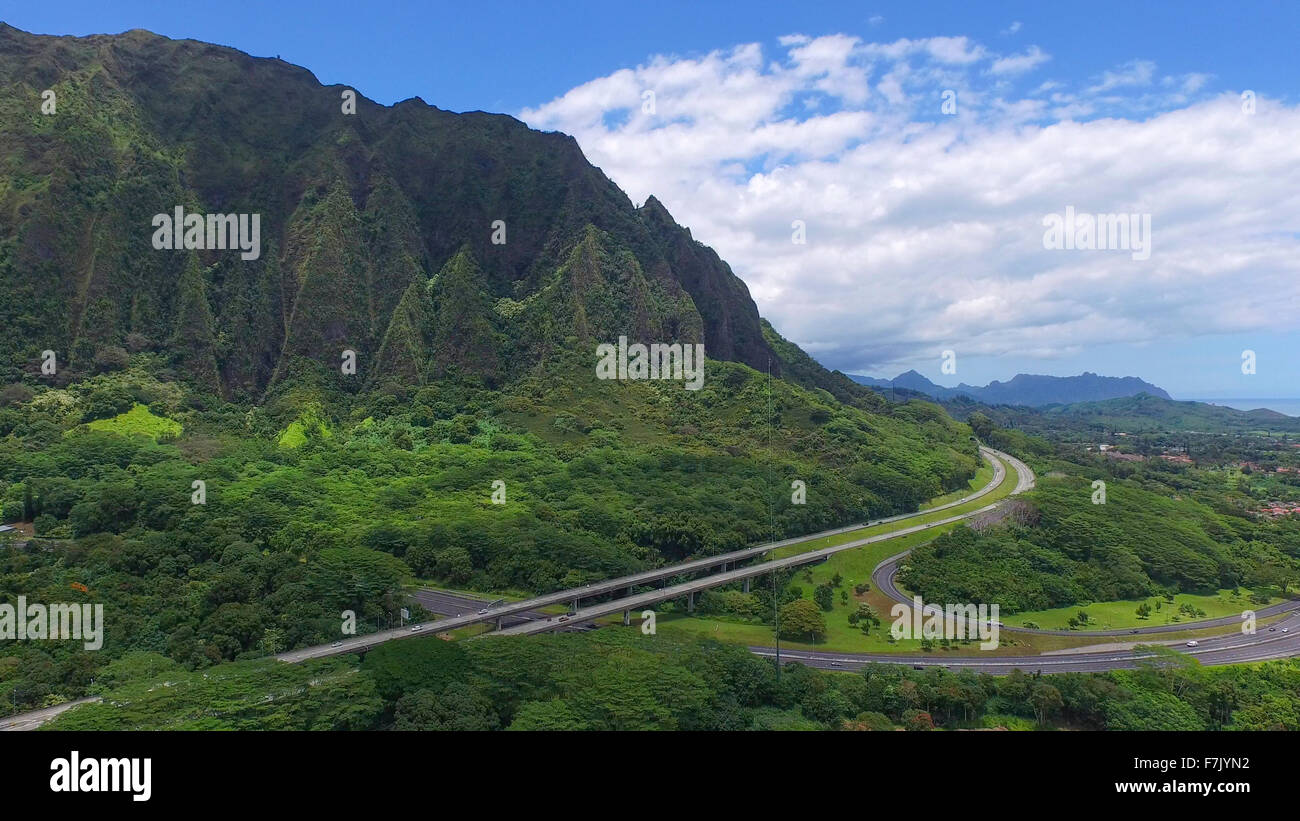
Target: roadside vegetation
(622, 680)
(321, 501)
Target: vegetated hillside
(376, 227)
(1068, 550)
(309, 513)
(1023, 389)
(1134, 414)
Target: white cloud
(1020, 63)
(1135, 73)
(925, 231)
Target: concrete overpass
(627, 604)
(627, 584)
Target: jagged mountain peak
(353, 208)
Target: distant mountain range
(1034, 390)
(1130, 414)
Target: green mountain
(476, 364)
(525, 250)
(469, 265)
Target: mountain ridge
(1142, 413)
(355, 209)
(1035, 390)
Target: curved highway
(1276, 641)
(883, 577)
(572, 596)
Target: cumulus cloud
(925, 231)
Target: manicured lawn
(1117, 615)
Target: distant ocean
(1291, 407)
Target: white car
(1192, 644)
(417, 628)
(337, 644)
(481, 612)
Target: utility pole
(771, 509)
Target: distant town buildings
(1272, 510)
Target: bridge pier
(575, 606)
(690, 602)
(746, 585)
(627, 618)
(500, 619)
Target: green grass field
(1117, 615)
(1010, 644)
(140, 421)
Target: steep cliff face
(431, 241)
(731, 325)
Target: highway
(1278, 641)
(447, 603)
(635, 602)
(572, 596)
(22, 722)
(1233, 648)
(640, 600)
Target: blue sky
(504, 56)
(922, 228)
